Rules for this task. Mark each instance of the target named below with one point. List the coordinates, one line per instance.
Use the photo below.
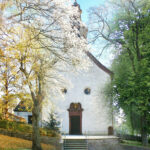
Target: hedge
(25, 128)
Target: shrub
(52, 133)
(43, 132)
(4, 124)
(15, 126)
(53, 123)
(1, 116)
(25, 128)
(48, 132)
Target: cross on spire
(75, 3)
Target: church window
(87, 91)
(64, 90)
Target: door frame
(75, 109)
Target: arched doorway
(75, 118)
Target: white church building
(84, 110)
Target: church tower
(77, 22)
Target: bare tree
(44, 38)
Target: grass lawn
(133, 143)
(12, 143)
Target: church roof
(99, 64)
(22, 107)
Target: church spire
(77, 21)
(75, 4)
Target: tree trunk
(6, 98)
(144, 130)
(6, 110)
(144, 138)
(35, 123)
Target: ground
(12, 143)
(133, 143)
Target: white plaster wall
(95, 117)
(23, 115)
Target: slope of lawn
(12, 143)
(133, 143)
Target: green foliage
(132, 143)
(15, 126)
(25, 128)
(130, 91)
(53, 122)
(48, 132)
(128, 31)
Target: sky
(85, 5)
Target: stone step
(75, 144)
(75, 149)
(81, 146)
(75, 141)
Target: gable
(100, 65)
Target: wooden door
(75, 125)
(75, 118)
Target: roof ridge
(99, 64)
